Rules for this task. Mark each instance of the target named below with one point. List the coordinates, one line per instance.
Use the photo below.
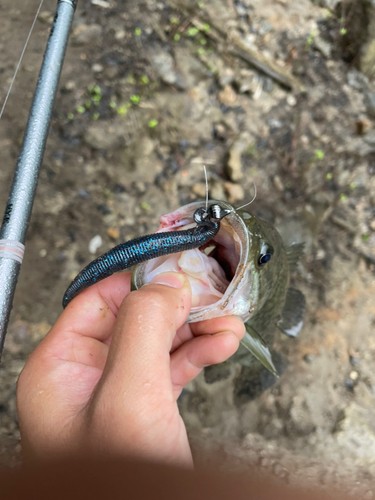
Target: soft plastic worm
(148, 247)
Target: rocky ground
(265, 92)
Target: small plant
(176, 37)
(144, 80)
(310, 40)
(319, 154)
(135, 99)
(80, 110)
(192, 31)
(152, 123)
(329, 176)
(70, 116)
(95, 116)
(122, 110)
(138, 32)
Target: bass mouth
(217, 271)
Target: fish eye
(265, 255)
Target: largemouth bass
(244, 271)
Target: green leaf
(135, 99)
(122, 110)
(193, 31)
(319, 154)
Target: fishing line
(205, 175)
(250, 202)
(20, 61)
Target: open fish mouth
(218, 272)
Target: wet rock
(104, 135)
(111, 72)
(301, 417)
(367, 63)
(188, 118)
(277, 182)
(101, 3)
(45, 17)
(291, 100)
(86, 34)
(247, 81)
(356, 431)
(163, 63)
(323, 46)
(120, 34)
(191, 70)
(69, 86)
(140, 161)
(235, 192)
(113, 233)
(234, 165)
(363, 126)
(97, 68)
(370, 104)
(220, 131)
(226, 77)
(95, 243)
(227, 96)
(199, 188)
(217, 190)
(358, 80)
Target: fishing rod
(20, 201)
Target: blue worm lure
(148, 247)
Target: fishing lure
(148, 247)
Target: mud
(149, 93)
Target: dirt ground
(150, 92)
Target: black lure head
(213, 213)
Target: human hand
(106, 378)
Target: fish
(243, 271)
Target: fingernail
(175, 280)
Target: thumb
(146, 326)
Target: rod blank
(19, 205)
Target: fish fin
(254, 343)
(294, 253)
(291, 321)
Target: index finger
(94, 311)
